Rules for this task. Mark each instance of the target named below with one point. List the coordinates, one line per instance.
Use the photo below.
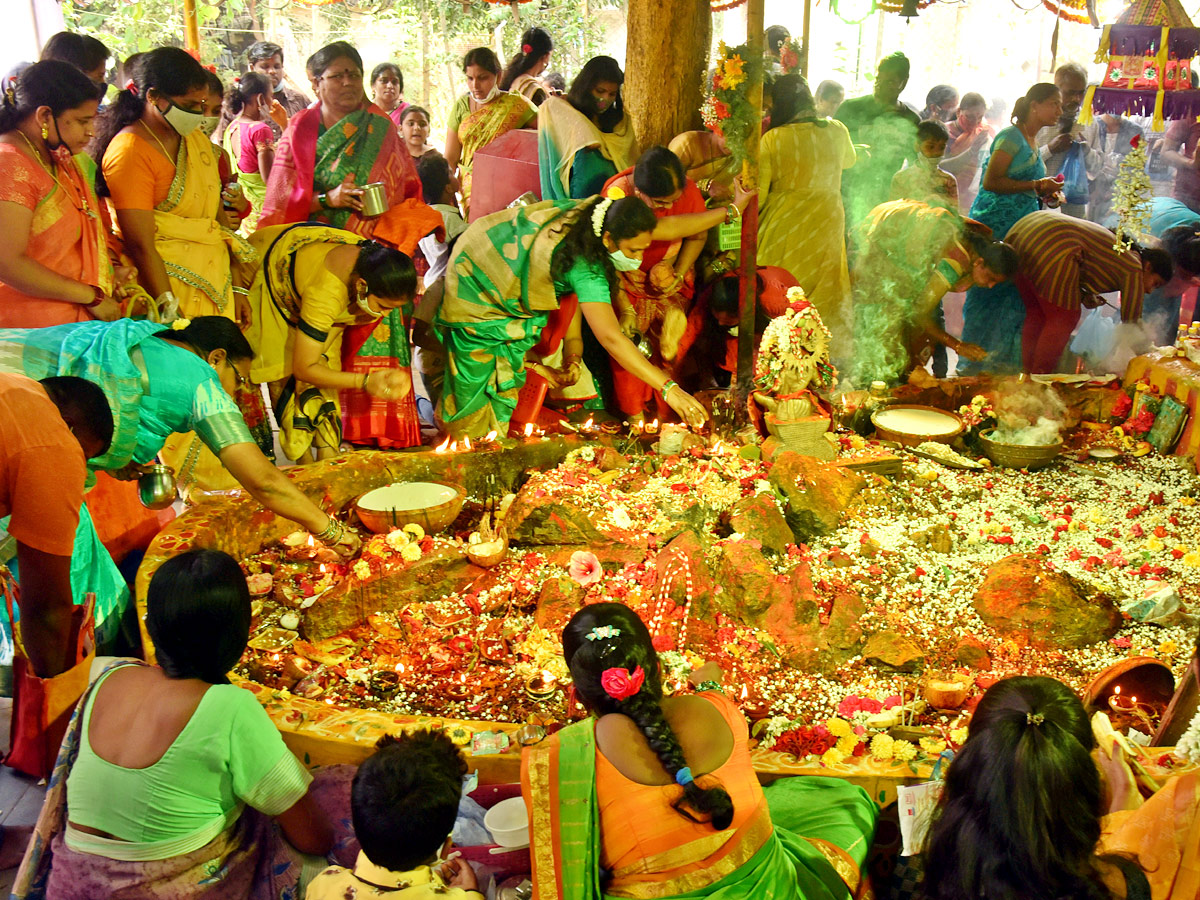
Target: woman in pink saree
(326, 156)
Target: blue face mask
(623, 263)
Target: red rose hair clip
(621, 684)
(527, 49)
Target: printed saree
(251, 183)
(309, 160)
(760, 859)
(564, 133)
(498, 295)
(484, 125)
(992, 317)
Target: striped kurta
(1064, 257)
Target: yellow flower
(733, 71)
(1168, 648)
(1154, 544)
(1192, 559)
(362, 570)
(614, 193)
(904, 751)
(411, 552)
(1186, 501)
(839, 727)
(832, 757)
(958, 735)
(847, 744)
(882, 746)
(932, 746)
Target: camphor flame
(466, 443)
(528, 429)
(491, 436)
(443, 447)
(399, 668)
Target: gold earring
(45, 132)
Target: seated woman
(171, 781)
(54, 260)
(654, 797)
(1065, 264)
(249, 140)
(911, 255)
(653, 299)
(162, 380)
(521, 74)
(481, 115)
(1027, 813)
(509, 274)
(316, 282)
(585, 138)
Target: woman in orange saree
(54, 263)
(615, 810)
(481, 115)
(327, 154)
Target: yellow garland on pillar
(1132, 194)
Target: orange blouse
(138, 175)
(57, 236)
(644, 840)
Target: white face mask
(492, 94)
(182, 120)
(208, 125)
(365, 305)
(623, 263)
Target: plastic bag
(1075, 180)
(1094, 339)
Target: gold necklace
(77, 201)
(163, 146)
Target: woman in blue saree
(1014, 181)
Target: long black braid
(702, 800)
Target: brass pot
(374, 199)
(156, 488)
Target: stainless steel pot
(156, 488)
(374, 199)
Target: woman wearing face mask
(162, 176)
(511, 274)
(54, 259)
(802, 222)
(325, 157)
(249, 140)
(481, 115)
(585, 138)
(314, 283)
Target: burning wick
(528, 430)
(1121, 704)
(652, 428)
(467, 443)
(541, 687)
(399, 668)
(490, 438)
(443, 447)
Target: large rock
(680, 560)
(538, 517)
(817, 493)
(892, 651)
(1023, 598)
(804, 638)
(746, 584)
(758, 517)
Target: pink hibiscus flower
(585, 569)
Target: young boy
(404, 801)
(924, 180)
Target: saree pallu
(1163, 837)
(532, 89)
(480, 128)
(366, 144)
(993, 317)
(759, 859)
(251, 183)
(565, 133)
(498, 295)
(662, 320)
(64, 238)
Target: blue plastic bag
(1074, 173)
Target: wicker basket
(1020, 456)
(805, 436)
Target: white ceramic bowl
(508, 821)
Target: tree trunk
(666, 60)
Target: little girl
(250, 141)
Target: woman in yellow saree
(481, 115)
(162, 178)
(616, 811)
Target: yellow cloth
(802, 224)
(369, 880)
(572, 131)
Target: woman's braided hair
(701, 800)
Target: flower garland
(1188, 747)
(727, 108)
(789, 56)
(1132, 193)
(798, 333)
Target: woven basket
(805, 436)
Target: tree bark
(666, 60)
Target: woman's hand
(241, 310)
(690, 409)
(228, 218)
(458, 873)
(741, 196)
(346, 195)
(108, 310)
(710, 671)
(1122, 790)
(569, 374)
(130, 471)
(551, 376)
(1046, 186)
(662, 276)
(347, 545)
(628, 323)
(389, 384)
(124, 276)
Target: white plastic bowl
(508, 821)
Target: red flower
(1124, 643)
(806, 740)
(621, 684)
(1137, 139)
(1123, 405)
(663, 643)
